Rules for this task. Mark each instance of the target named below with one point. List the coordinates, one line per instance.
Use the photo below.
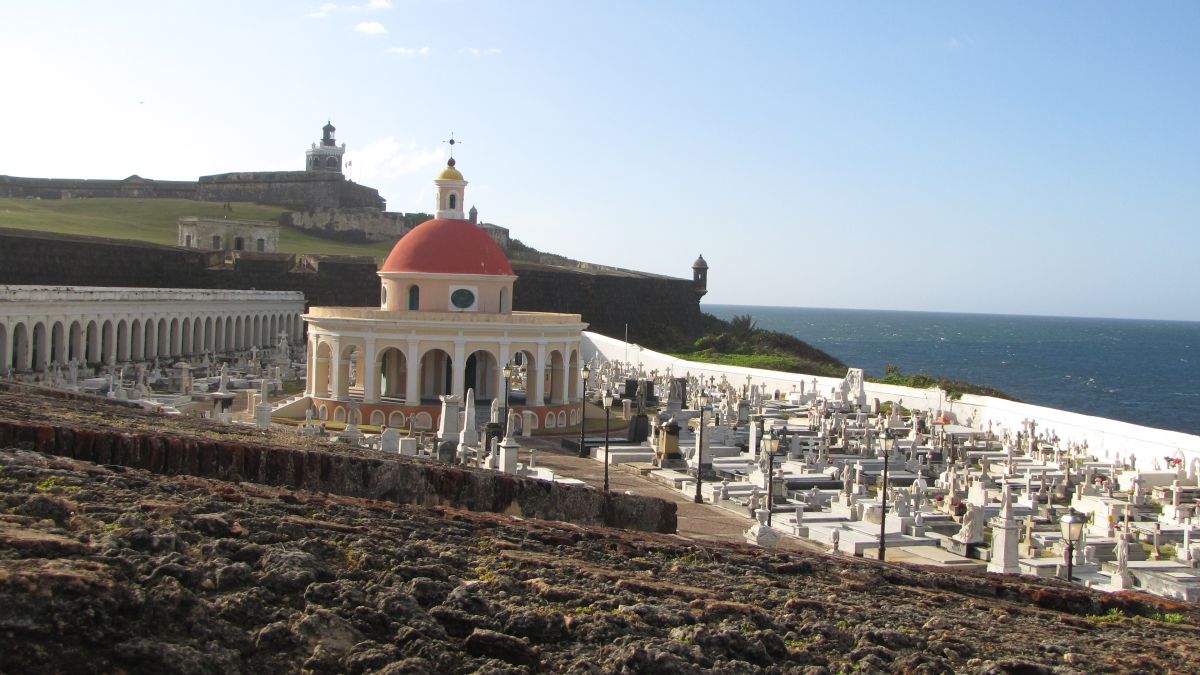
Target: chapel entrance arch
(393, 373)
(436, 374)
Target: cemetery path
(702, 522)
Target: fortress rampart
(292, 189)
(607, 300)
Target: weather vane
(452, 142)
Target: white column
(310, 383)
(412, 382)
(459, 369)
(337, 378)
(370, 373)
(539, 378)
(498, 377)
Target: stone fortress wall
(607, 299)
(291, 189)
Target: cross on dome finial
(451, 141)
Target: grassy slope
(154, 220)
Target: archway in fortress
(237, 341)
(436, 374)
(108, 347)
(20, 347)
(41, 347)
(5, 358)
(321, 366)
(393, 374)
(247, 338)
(167, 334)
(555, 377)
(58, 343)
(479, 374)
(122, 341)
(187, 337)
(206, 343)
(93, 343)
(256, 331)
(75, 343)
(136, 340)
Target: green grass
(154, 221)
(779, 362)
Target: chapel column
(370, 373)
(337, 391)
(412, 382)
(458, 370)
(539, 378)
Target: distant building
(229, 234)
(327, 156)
(497, 233)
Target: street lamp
(883, 501)
(700, 444)
(507, 372)
(769, 445)
(586, 372)
(1072, 531)
(608, 401)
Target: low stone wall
(388, 479)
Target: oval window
(462, 298)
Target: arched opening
(396, 419)
(239, 244)
(555, 378)
(382, 296)
(20, 351)
(331, 163)
(208, 334)
(185, 337)
(122, 341)
(5, 357)
(58, 343)
(574, 381)
(75, 345)
(350, 372)
(237, 333)
(339, 414)
(414, 297)
(260, 245)
(321, 365)
(40, 347)
(93, 343)
(480, 374)
(108, 347)
(452, 201)
(216, 241)
(377, 418)
(435, 374)
(136, 340)
(393, 373)
(165, 335)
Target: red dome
(444, 246)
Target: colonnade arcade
(417, 371)
(45, 326)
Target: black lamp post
(769, 445)
(1072, 532)
(586, 372)
(883, 503)
(608, 401)
(507, 374)
(700, 445)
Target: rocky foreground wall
(388, 479)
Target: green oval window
(462, 298)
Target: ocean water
(1144, 372)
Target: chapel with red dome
(444, 327)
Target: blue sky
(1027, 158)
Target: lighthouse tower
(327, 155)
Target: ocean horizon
(1143, 371)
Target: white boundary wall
(1106, 439)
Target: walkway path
(703, 522)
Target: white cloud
(371, 28)
(482, 51)
(387, 158)
(409, 51)
(331, 7)
(322, 11)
